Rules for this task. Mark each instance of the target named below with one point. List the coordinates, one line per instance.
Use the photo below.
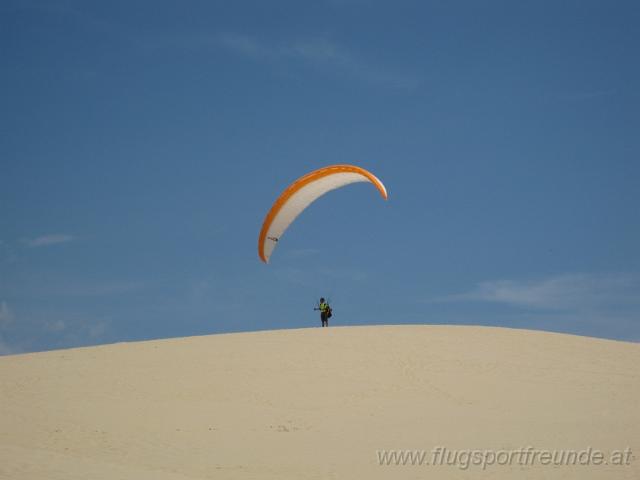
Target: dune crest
(319, 403)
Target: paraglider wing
(301, 193)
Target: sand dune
(320, 403)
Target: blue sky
(142, 143)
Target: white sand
(318, 403)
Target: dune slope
(321, 403)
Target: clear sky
(142, 144)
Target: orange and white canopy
(301, 193)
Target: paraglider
(325, 311)
(301, 193)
